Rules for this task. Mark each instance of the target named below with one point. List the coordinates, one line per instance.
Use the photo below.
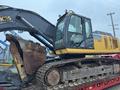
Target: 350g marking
(5, 19)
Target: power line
(112, 22)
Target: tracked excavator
(69, 41)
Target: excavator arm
(19, 19)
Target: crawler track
(41, 73)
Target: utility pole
(112, 22)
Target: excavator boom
(19, 19)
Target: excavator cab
(73, 32)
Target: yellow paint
(6, 65)
(106, 44)
(20, 69)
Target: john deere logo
(4, 19)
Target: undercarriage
(68, 74)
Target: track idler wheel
(52, 77)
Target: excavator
(69, 42)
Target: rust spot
(34, 54)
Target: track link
(41, 73)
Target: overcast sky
(95, 9)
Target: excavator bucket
(28, 56)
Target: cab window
(75, 35)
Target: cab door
(75, 33)
(88, 34)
